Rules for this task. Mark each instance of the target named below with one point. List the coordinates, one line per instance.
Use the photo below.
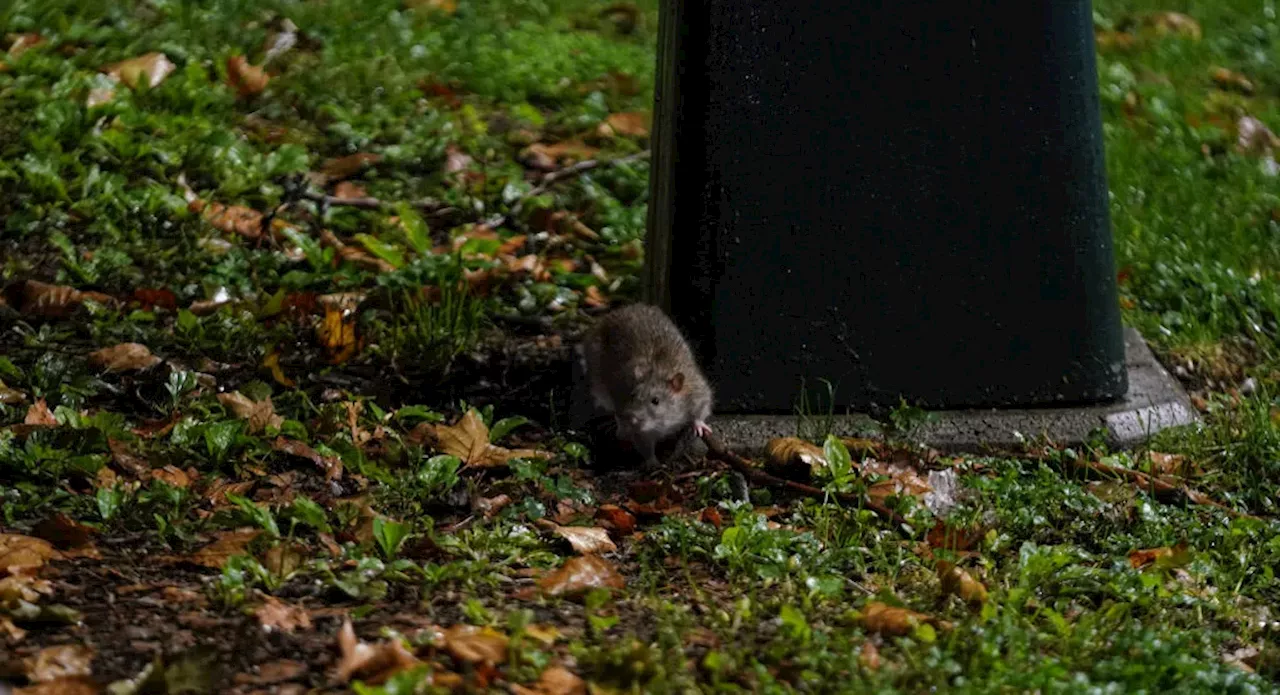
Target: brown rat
(641, 370)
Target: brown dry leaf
(259, 414)
(330, 465)
(10, 396)
(21, 43)
(337, 335)
(64, 532)
(40, 415)
(892, 621)
(373, 663)
(456, 160)
(275, 614)
(1170, 464)
(56, 301)
(71, 685)
(556, 680)
(127, 461)
(792, 452)
(124, 357)
(247, 79)
(619, 520)
(490, 506)
(1108, 40)
(547, 157)
(955, 580)
(62, 661)
(579, 575)
(225, 545)
(445, 6)
(285, 558)
(272, 363)
(468, 439)
(346, 167)
(173, 476)
(20, 553)
(1175, 23)
(11, 633)
(632, 124)
(272, 672)
(151, 68)
(944, 536)
(585, 540)
(594, 298)
(25, 586)
(869, 656)
(1167, 557)
(1228, 79)
(349, 190)
(230, 219)
(476, 645)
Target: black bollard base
(1156, 401)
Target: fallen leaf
(21, 43)
(956, 581)
(272, 672)
(1162, 558)
(1174, 23)
(330, 465)
(445, 6)
(22, 553)
(61, 661)
(349, 190)
(456, 160)
(348, 166)
(10, 396)
(71, 685)
(40, 415)
(869, 656)
(337, 334)
(124, 357)
(272, 363)
(225, 545)
(1170, 464)
(1228, 79)
(56, 301)
(945, 536)
(472, 644)
(11, 633)
(633, 124)
(259, 414)
(151, 68)
(786, 454)
(556, 680)
(230, 219)
(285, 558)
(1108, 40)
(892, 621)
(247, 79)
(152, 298)
(490, 506)
(374, 663)
(711, 515)
(64, 532)
(275, 614)
(619, 520)
(579, 575)
(468, 439)
(547, 157)
(594, 298)
(584, 539)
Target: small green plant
(390, 535)
(814, 420)
(430, 334)
(257, 514)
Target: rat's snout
(628, 423)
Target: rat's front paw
(701, 428)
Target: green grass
(92, 199)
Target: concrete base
(1155, 402)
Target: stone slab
(1155, 401)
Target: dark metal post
(905, 198)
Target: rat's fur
(642, 371)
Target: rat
(641, 371)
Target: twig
(1160, 488)
(717, 450)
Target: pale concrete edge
(1155, 402)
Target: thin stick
(717, 450)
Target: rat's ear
(676, 382)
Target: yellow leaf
(151, 68)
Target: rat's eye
(654, 401)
